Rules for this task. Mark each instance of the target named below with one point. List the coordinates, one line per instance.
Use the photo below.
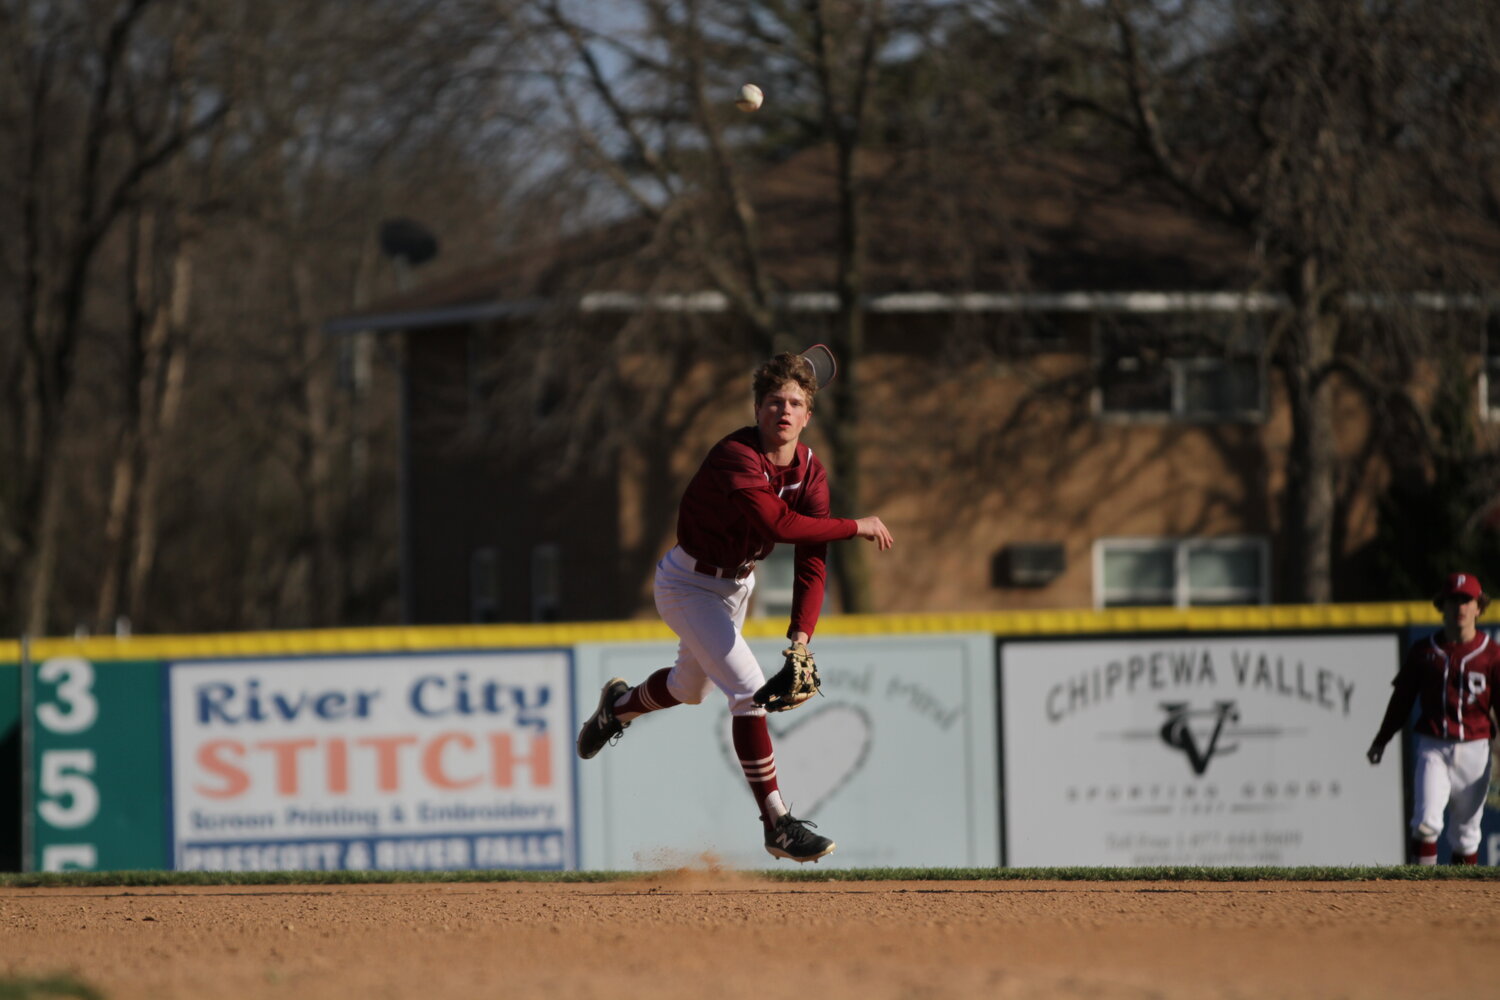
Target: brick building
(1064, 404)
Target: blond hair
(784, 368)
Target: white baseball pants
(1450, 772)
(707, 613)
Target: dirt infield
(727, 935)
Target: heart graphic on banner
(816, 754)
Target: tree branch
(1148, 129)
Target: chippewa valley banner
(1244, 750)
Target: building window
(773, 584)
(1204, 367)
(1025, 335)
(546, 582)
(1183, 572)
(1489, 374)
(484, 585)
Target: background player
(758, 487)
(1452, 673)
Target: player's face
(782, 415)
(1460, 611)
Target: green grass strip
(34, 988)
(1311, 873)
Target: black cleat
(790, 838)
(602, 728)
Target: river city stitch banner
(455, 761)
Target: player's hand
(874, 529)
(1374, 754)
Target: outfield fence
(1122, 738)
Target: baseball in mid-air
(750, 97)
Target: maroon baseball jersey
(740, 504)
(1453, 681)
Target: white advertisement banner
(446, 761)
(896, 762)
(1215, 751)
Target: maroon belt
(736, 573)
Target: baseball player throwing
(758, 487)
(1451, 674)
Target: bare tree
(343, 129)
(197, 187)
(646, 101)
(98, 117)
(162, 233)
(1289, 123)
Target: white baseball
(750, 97)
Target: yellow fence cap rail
(1018, 624)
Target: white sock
(775, 808)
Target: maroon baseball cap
(1460, 583)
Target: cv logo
(1186, 728)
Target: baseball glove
(794, 683)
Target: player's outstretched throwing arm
(778, 522)
(810, 531)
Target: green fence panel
(98, 766)
(10, 767)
